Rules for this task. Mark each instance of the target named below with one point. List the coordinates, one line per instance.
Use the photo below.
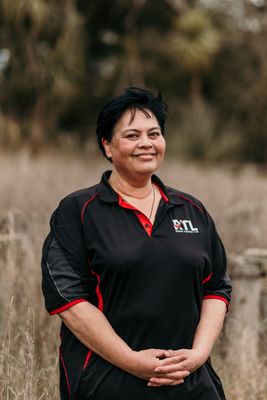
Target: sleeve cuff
(66, 306)
(213, 296)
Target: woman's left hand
(167, 373)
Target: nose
(144, 142)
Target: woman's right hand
(145, 362)
(112, 348)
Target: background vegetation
(29, 337)
(60, 61)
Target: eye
(132, 136)
(154, 134)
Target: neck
(138, 188)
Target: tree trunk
(38, 126)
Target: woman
(136, 271)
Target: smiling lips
(145, 156)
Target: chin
(147, 169)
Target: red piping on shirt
(98, 292)
(191, 202)
(85, 205)
(207, 278)
(145, 222)
(65, 371)
(66, 306)
(100, 307)
(87, 358)
(163, 195)
(124, 204)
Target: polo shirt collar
(108, 194)
(106, 191)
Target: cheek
(121, 153)
(162, 146)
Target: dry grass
(31, 188)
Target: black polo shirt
(149, 281)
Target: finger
(171, 368)
(168, 353)
(170, 383)
(172, 360)
(154, 384)
(166, 382)
(175, 375)
(178, 382)
(171, 352)
(161, 353)
(178, 352)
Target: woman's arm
(66, 281)
(211, 321)
(92, 328)
(210, 324)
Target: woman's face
(137, 146)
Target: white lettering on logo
(184, 226)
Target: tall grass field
(31, 188)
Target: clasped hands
(167, 367)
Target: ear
(106, 145)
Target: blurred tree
(61, 60)
(44, 38)
(122, 39)
(236, 84)
(195, 43)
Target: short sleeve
(65, 272)
(218, 284)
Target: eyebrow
(137, 130)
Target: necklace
(153, 202)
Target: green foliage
(67, 57)
(195, 42)
(46, 66)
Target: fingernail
(157, 369)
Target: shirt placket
(145, 222)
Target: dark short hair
(133, 98)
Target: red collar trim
(163, 195)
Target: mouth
(145, 155)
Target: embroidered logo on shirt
(184, 226)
